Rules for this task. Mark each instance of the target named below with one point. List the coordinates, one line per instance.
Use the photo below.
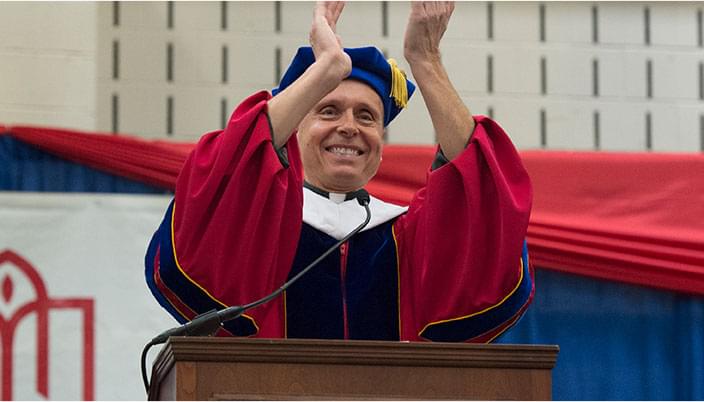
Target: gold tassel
(398, 85)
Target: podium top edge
(317, 351)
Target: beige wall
(542, 74)
(48, 64)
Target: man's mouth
(344, 151)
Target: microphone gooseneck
(208, 323)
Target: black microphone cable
(208, 323)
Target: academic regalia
(452, 266)
(462, 270)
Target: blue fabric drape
(617, 341)
(27, 168)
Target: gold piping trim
(178, 265)
(520, 280)
(398, 280)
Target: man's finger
(334, 10)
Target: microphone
(208, 323)
(363, 199)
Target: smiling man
(260, 200)
(342, 137)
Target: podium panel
(204, 368)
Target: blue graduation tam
(368, 66)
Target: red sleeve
(238, 213)
(464, 275)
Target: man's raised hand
(427, 23)
(323, 35)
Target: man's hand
(324, 39)
(451, 118)
(331, 66)
(426, 26)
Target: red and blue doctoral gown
(452, 266)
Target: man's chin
(344, 180)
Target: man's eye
(328, 111)
(366, 116)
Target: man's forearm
(331, 66)
(451, 118)
(288, 108)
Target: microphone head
(362, 197)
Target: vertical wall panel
(142, 15)
(622, 126)
(517, 70)
(569, 72)
(361, 19)
(293, 13)
(668, 66)
(398, 16)
(143, 56)
(620, 23)
(622, 75)
(194, 16)
(468, 23)
(674, 25)
(412, 126)
(521, 120)
(466, 67)
(675, 128)
(570, 125)
(567, 22)
(190, 53)
(479, 104)
(115, 113)
(103, 107)
(251, 16)
(225, 64)
(196, 112)
(115, 56)
(252, 64)
(612, 74)
(142, 114)
(516, 21)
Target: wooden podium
(295, 369)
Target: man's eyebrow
(370, 107)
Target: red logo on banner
(13, 312)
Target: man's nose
(348, 124)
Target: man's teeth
(344, 151)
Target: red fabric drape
(153, 162)
(631, 217)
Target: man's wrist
(424, 60)
(427, 69)
(333, 67)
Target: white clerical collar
(337, 198)
(337, 214)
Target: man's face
(342, 137)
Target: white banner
(75, 311)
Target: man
(450, 267)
